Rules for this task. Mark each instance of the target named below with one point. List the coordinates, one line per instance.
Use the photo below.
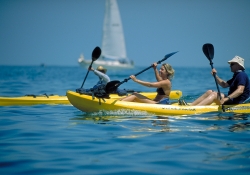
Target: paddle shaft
(214, 75)
(208, 50)
(87, 73)
(125, 80)
(95, 55)
(159, 62)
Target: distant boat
(113, 47)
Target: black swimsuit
(160, 91)
(164, 100)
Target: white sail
(113, 42)
(113, 47)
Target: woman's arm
(157, 76)
(148, 84)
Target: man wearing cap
(239, 87)
(101, 73)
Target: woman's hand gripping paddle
(208, 50)
(113, 85)
(95, 55)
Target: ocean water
(60, 139)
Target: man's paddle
(95, 55)
(208, 50)
(113, 85)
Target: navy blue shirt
(239, 78)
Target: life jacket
(102, 91)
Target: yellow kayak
(56, 99)
(34, 100)
(87, 104)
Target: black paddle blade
(208, 50)
(96, 53)
(169, 55)
(112, 86)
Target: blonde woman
(163, 85)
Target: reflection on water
(240, 127)
(157, 123)
(230, 152)
(233, 116)
(164, 123)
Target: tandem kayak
(57, 99)
(87, 104)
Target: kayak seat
(112, 86)
(97, 91)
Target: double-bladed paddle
(113, 85)
(208, 50)
(95, 55)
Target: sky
(56, 32)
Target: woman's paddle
(208, 50)
(95, 55)
(113, 85)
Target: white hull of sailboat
(114, 64)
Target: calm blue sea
(60, 139)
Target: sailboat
(113, 46)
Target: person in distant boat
(101, 73)
(163, 85)
(239, 87)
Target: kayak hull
(56, 99)
(30, 100)
(87, 104)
